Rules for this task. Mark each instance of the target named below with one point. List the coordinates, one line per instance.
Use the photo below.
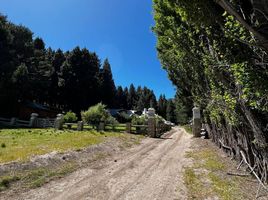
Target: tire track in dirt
(155, 182)
(102, 191)
(148, 169)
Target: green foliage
(162, 106)
(96, 114)
(124, 117)
(171, 115)
(70, 117)
(140, 120)
(159, 119)
(111, 120)
(107, 84)
(204, 51)
(20, 75)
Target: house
(26, 108)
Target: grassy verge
(207, 177)
(21, 144)
(188, 128)
(29, 179)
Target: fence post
(196, 122)
(128, 127)
(151, 127)
(101, 126)
(13, 121)
(59, 122)
(33, 120)
(80, 126)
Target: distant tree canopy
(215, 52)
(72, 80)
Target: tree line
(215, 52)
(70, 80)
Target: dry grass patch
(37, 177)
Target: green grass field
(21, 144)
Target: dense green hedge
(211, 58)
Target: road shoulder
(209, 177)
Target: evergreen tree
(108, 86)
(71, 80)
(20, 79)
(170, 112)
(131, 99)
(119, 99)
(125, 94)
(54, 89)
(39, 44)
(153, 101)
(139, 103)
(41, 71)
(162, 106)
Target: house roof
(35, 105)
(114, 112)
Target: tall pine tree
(108, 89)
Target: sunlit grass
(206, 178)
(21, 144)
(226, 189)
(210, 160)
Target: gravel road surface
(151, 170)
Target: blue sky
(117, 29)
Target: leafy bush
(111, 120)
(70, 117)
(96, 114)
(140, 120)
(159, 119)
(123, 117)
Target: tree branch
(252, 170)
(229, 9)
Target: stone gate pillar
(151, 123)
(101, 126)
(33, 120)
(80, 126)
(59, 122)
(196, 122)
(151, 127)
(13, 121)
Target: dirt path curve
(152, 170)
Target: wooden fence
(38, 123)
(152, 129)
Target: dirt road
(152, 170)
